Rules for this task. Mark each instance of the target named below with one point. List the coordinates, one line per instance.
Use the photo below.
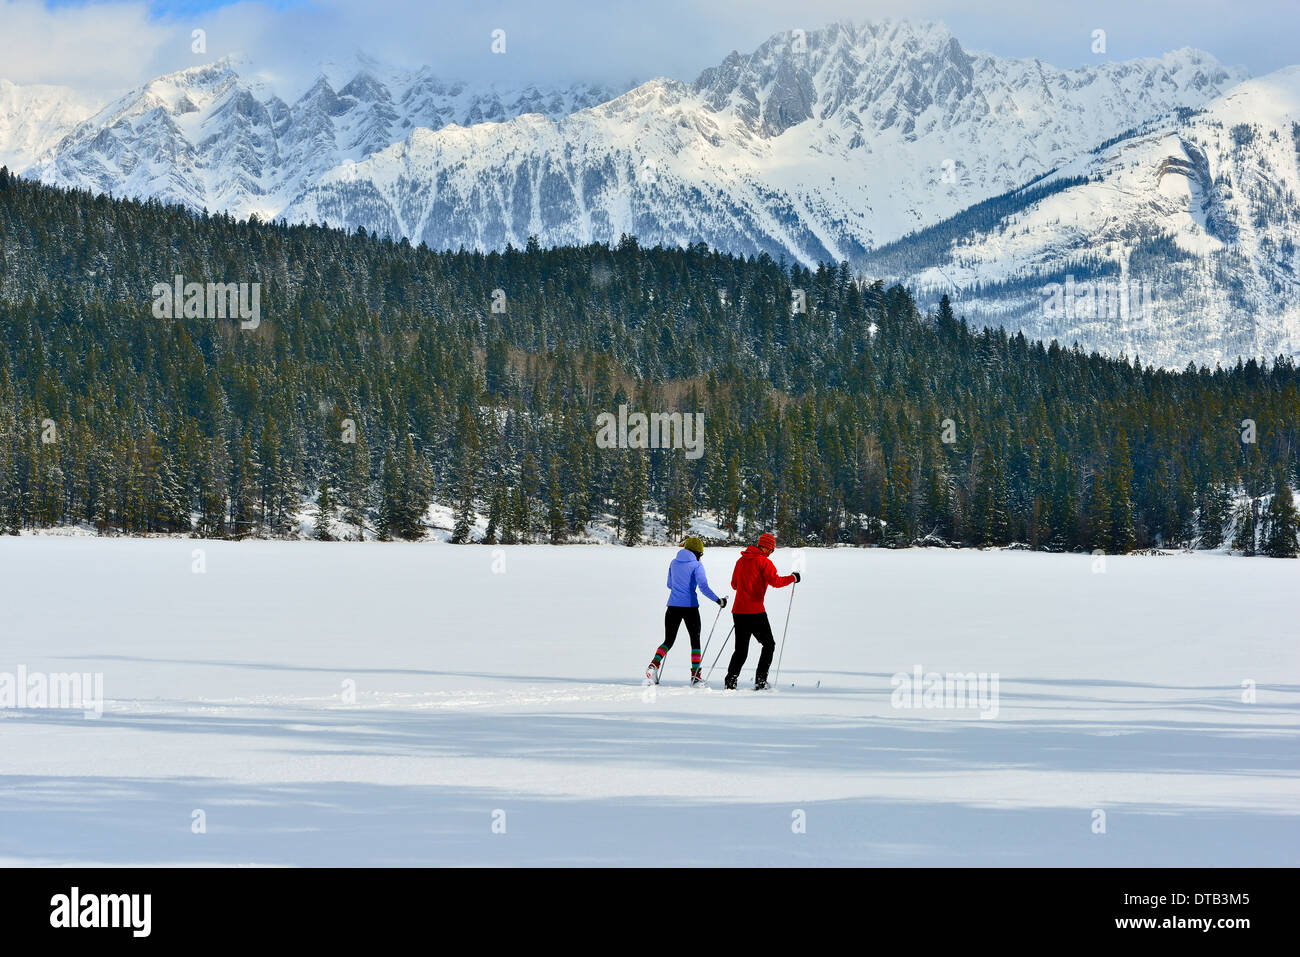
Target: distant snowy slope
(33, 118)
(1196, 217)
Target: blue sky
(110, 45)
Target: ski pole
(709, 640)
(719, 654)
(783, 633)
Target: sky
(106, 47)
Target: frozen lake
(394, 704)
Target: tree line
(384, 377)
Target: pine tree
(1119, 495)
(390, 496)
(945, 314)
(212, 490)
(496, 508)
(1246, 525)
(269, 468)
(632, 511)
(1215, 508)
(898, 515)
(677, 501)
(1098, 519)
(324, 511)
(555, 502)
(467, 479)
(285, 498)
(527, 492)
(404, 491)
(728, 506)
(355, 476)
(243, 488)
(1281, 523)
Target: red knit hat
(767, 540)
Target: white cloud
(94, 48)
(107, 47)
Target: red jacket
(754, 572)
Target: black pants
(756, 626)
(673, 619)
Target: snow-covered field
(502, 688)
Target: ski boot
(697, 680)
(760, 684)
(652, 674)
(729, 682)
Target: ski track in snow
(478, 692)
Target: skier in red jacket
(754, 572)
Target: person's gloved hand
(797, 577)
(722, 602)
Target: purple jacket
(685, 574)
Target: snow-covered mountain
(34, 117)
(1193, 219)
(218, 137)
(885, 144)
(815, 146)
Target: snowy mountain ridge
(815, 147)
(1195, 217)
(886, 144)
(220, 138)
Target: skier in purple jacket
(685, 574)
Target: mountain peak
(339, 72)
(796, 75)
